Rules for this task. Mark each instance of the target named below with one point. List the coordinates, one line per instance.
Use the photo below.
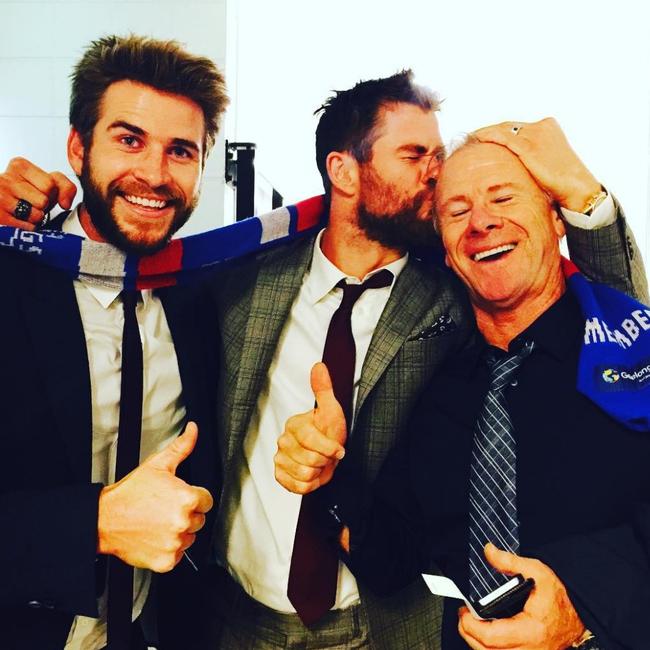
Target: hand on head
(545, 151)
(548, 621)
(312, 443)
(151, 516)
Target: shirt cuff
(603, 215)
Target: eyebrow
(502, 186)
(136, 130)
(421, 149)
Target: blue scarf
(614, 364)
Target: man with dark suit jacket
(379, 152)
(144, 114)
(580, 477)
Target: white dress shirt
(163, 412)
(260, 540)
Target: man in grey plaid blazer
(379, 151)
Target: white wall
(42, 40)
(585, 62)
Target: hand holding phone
(505, 601)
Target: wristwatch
(587, 641)
(593, 202)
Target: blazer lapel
(278, 281)
(409, 301)
(56, 332)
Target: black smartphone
(507, 600)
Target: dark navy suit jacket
(49, 570)
(583, 488)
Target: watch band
(587, 641)
(594, 201)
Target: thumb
(504, 561)
(176, 451)
(330, 418)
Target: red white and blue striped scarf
(614, 366)
(177, 263)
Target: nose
(432, 169)
(482, 219)
(153, 167)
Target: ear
(343, 172)
(76, 151)
(558, 223)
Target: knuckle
(305, 473)
(281, 477)
(314, 459)
(18, 164)
(49, 186)
(301, 488)
(311, 440)
(40, 203)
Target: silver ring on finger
(22, 210)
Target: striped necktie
(492, 493)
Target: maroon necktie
(314, 562)
(120, 575)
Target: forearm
(610, 255)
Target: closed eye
(503, 199)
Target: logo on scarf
(611, 376)
(633, 378)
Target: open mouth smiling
(143, 202)
(493, 254)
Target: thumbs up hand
(312, 443)
(150, 517)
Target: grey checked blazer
(426, 319)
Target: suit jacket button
(35, 604)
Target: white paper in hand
(441, 586)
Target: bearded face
(393, 217)
(132, 216)
(141, 167)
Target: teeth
(147, 203)
(493, 251)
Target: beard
(389, 217)
(100, 207)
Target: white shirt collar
(104, 295)
(324, 276)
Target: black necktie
(120, 575)
(493, 477)
(314, 561)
